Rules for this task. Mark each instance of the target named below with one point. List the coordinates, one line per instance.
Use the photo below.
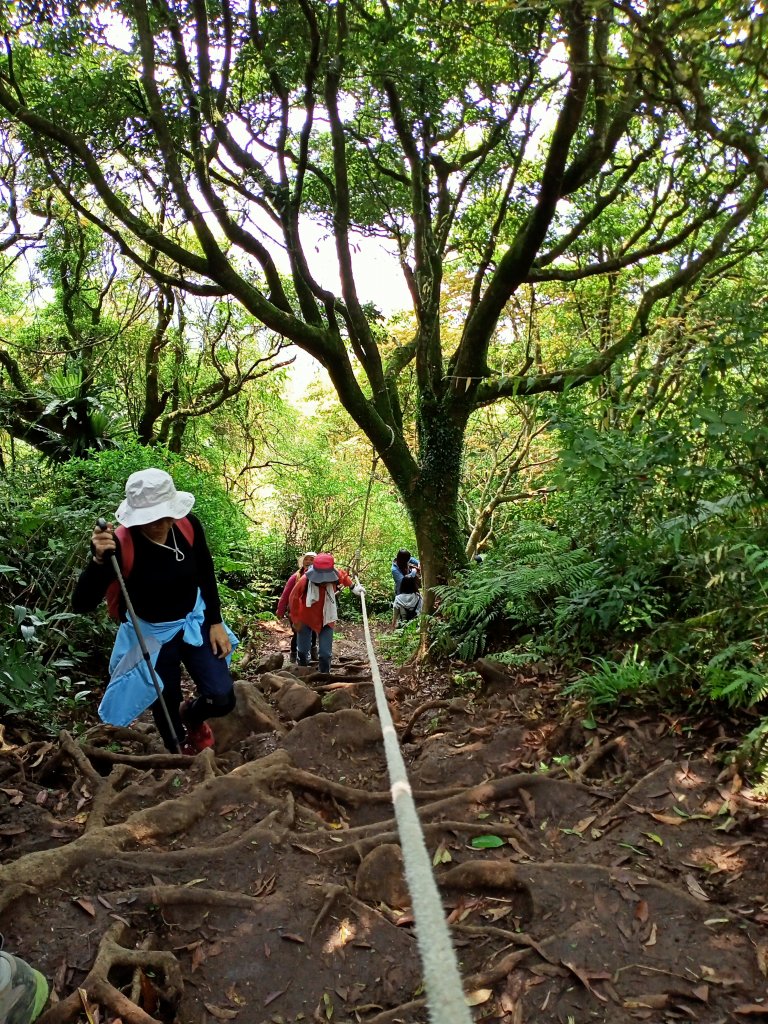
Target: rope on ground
(442, 980)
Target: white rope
(442, 980)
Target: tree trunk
(432, 499)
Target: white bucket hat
(151, 494)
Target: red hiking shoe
(198, 738)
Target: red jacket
(313, 616)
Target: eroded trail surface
(610, 874)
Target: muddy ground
(605, 874)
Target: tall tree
(551, 141)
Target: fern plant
(611, 680)
(737, 675)
(752, 755)
(514, 588)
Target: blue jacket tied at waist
(130, 690)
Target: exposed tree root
(597, 754)
(104, 796)
(48, 867)
(160, 760)
(112, 953)
(193, 896)
(165, 860)
(472, 800)
(358, 850)
(474, 875)
(513, 938)
(608, 815)
(75, 753)
(103, 733)
(343, 686)
(332, 893)
(474, 981)
(428, 705)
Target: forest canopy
(574, 195)
(602, 157)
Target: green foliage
(401, 644)
(612, 681)
(512, 591)
(37, 692)
(752, 754)
(51, 657)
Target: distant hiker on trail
(305, 561)
(407, 604)
(403, 566)
(164, 559)
(313, 607)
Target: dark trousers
(211, 677)
(293, 644)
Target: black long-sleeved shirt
(161, 588)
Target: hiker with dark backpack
(407, 604)
(167, 568)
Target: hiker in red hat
(313, 608)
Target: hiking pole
(102, 525)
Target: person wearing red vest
(312, 606)
(171, 567)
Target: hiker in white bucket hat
(164, 559)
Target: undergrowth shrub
(402, 643)
(610, 681)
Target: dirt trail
(611, 874)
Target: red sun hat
(323, 561)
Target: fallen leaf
(198, 957)
(496, 913)
(486, 842)
(442, 856)
(15, 796)
(666, 819)
(652, 937)
(290, 937)
(651, 1001)
(480, 995)
(752, 1009)
(641, 911)
(41, 797)
(87, 906)
(583, 825)
(695, 889)
(220, 1012)
(654, 838)
(585, 976)
(233, 995)
(273, 996)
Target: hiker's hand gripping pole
(102, 525)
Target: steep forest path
(610, 874)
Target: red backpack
(123, 534)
